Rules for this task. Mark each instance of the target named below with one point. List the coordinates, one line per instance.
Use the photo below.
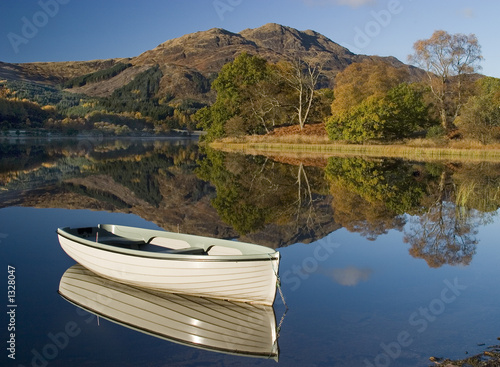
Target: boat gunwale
(272, 255)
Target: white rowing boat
(175, 262)
(216, 325)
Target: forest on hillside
(135, 107)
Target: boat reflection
(216, 325)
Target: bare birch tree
(302, 78)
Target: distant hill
(189, 63)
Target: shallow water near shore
(384, 263)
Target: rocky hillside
(189, 63)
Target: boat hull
(243, 279)
(215, 325)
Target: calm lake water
(385, 262)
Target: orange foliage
(365, 79)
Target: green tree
(480, 117)
(357, 124)
(405, 111)
(396, 114)
(233, 86)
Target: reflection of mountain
(157, 181)
(273, 202)
(153, 179)
(216, 325)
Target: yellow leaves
(4, 91)
(89, 104)
(362, 80)
(49, 108)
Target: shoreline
(491, 154)
(97, 137)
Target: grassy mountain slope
(189, 63)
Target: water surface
(384, 262)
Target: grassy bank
(416, 149)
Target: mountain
(189, 63)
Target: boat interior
(153, 244)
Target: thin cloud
(351, 3)
(350, 276)
(355, 3)
(468, 13)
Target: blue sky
(66, 30)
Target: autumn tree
(397, 114)
(449, 60)
(364, 79)
(373, 102)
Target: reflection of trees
(458, 205)
(232, 201)
(357, 214)
(254, 191)
(449, 203)
(370, 196)
(478, 186)
(304, 197)
(443, 235)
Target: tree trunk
(444, 120)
